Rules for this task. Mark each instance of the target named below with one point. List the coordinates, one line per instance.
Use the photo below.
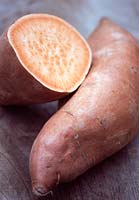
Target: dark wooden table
(117, 178)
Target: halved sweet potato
(42, 58)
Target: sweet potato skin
(17, 85)
(101, 117)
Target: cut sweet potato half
(43, 58)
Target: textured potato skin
(101, 117)
(17, 86)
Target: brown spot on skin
(48, 166)
(103, 123)
(134, 69)
(113, 91)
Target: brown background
(117, 178)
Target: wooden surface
(117, 178)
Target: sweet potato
(101, 117)
(42, 58)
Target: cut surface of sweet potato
(51, 50)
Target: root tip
(40, 191)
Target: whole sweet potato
(101, 117)
(42, 58)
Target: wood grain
(116, 178)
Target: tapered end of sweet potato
(40, 191)
(51, 50)
(44, 177)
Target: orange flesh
(51, 50)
